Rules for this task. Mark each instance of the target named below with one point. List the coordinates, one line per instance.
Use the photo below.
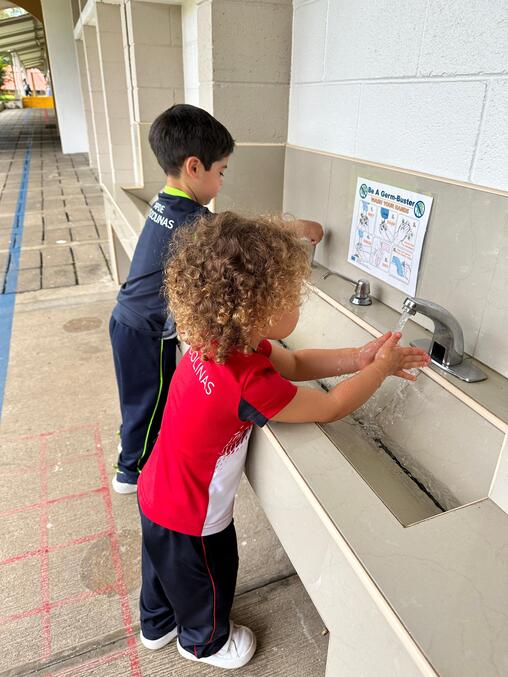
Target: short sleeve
(264, 393)
(264, 348)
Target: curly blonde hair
(229, 277)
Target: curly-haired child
(232, 283)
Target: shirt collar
(170, 190)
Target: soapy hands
(391, 358)
(367, 352)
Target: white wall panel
(309, 30)
(373, 39)
(427, 126)
(421, 85)
(324, 116)
(465, 38)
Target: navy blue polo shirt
(140, 303)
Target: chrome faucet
(446, 348)
(448, 339)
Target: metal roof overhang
(25, 36)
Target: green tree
(12, 12)
(4, 61)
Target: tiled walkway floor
(69, 546)
(64, 234)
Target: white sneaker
(235, 653)
(123, 487)
(154, 644)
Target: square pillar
(85, 91)
(93, 70)
(153, 46)
(115, 92)
(244, 63)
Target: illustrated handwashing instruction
(387, 233)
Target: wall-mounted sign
(387, 233)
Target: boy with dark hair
(192, 148)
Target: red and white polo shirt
(190, 480)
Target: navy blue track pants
(188, 581)
(144, 366)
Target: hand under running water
(367, 353)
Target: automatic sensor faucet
(446, 348)
(448, 339)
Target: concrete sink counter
(395, 518)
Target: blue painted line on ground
(8, 296)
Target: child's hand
(312, 230)
(367, 352)
(393, 360)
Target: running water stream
(404, 317)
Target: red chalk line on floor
(44, 550)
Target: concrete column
(204, 46)
(154, 49)
(85, 91)
(114, 88)
(244, 58)
(76, 9)
(17, 74)
(100, 125)
(190, 50)
(58, 26)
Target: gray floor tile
(56, 256)
(29, 280)
(58, 276)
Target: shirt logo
(201, 373)
(157, 216)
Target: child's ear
(192, 166)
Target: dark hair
(184, 130)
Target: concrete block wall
(114, 88)
(251, 62)
(98, 113)
(420, 85)
(155, 49)
(154, 57)
(231, 57)
(131, 70)
(87, 103)
(244, 51)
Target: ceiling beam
(31, 31)
(17, 46)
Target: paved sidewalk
(64, 233)
(69, 551)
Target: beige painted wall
(464, 265)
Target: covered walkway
(69, 552)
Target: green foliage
(4, 61)
(12, 12)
